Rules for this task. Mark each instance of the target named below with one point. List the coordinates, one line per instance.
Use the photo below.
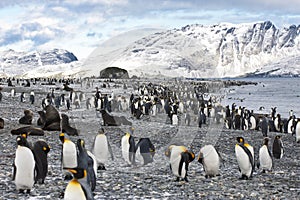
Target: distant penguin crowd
(181, 105)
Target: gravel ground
(155, 180)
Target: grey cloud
(25, 32)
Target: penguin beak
(73, 171)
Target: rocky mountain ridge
(223, 50)
(13, 63)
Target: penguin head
(240, 140)
(81, 143)
(101, 131)
(127, 134)
(266, 141)
(42, 145)
(131, 130)
(168, 151)
(46, 148)
(62, 137)
(21, 141)
(277, 137)
(78, 173)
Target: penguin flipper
(131, 150)
(180, 165)
(110, 150)
(87, 191)
(221, 159)
(14, 172)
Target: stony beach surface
(155, 180)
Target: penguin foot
(28, 191)
(40, 181)
(101, 167)
(177, 179)
(185, 179)
(62, 194)
(244, 177)
(21, 191)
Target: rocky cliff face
(38, 58)
(223, 50)
(39, 63)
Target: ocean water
(283, 93)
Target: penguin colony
(80, 166)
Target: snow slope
(222, 50)
(38, 63)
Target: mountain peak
(219, 50)
(15, 63)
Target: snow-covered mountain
(223, 50)
(37, 63)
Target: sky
(80, 26)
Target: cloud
(74, 24)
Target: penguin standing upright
(278, 123)
(68, 155)
(210, 159)
(264, 126)
(86, 162)
(290, 124)
(24, 166)
(245, 158)
(277, 148)
(128, 148)
(252, 122)
(78, 188)
(102, 149)
(40, 150)
(265, 158)
(144, 151)
(180, 158)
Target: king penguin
(265, 158)
(24, 166)
(277, 148)
(210, 159)
(290, 124)
(278, 123)
(264, 126)
(41, 150)
(128, 148)
(180, 158)
(102, 149)
(245, 158)
(297, 131)
(78, 188)
(252, 122)
(68, 155)
(144, 151)
(86, 162)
